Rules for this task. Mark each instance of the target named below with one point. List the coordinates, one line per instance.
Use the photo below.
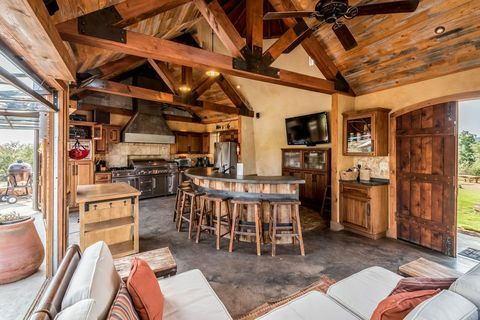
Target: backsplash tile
(379, 166)
(117, 155)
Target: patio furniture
(291, 229)
(211, 209)
(160, 260)
(425, 268)
(240, 221)
(190, 200)
(469, 178)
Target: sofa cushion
(95, 278)
(397, 306)
(446, 305)
(363, 291)
(309, 307)
(82, 310)
(122, 307)
(145, 291)
(189, 296)
(468, 285)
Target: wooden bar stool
(239, 220)
(292, 229)
(211, 217)
(178, 199)
(190, 201)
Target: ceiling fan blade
(388, 7)
(345, 36)
(288, 14)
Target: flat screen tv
(308, 130)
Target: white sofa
(357, 296)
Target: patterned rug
(322, 285)
(471, 253)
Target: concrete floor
(244, 281)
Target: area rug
(322, 285)
(471, 253)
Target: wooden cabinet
(191, 142)
(228, 136)
(110, 134)
(365, 133)
(80, 173)
(312, 165)
(364, 208)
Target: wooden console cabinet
(312, 165)
(364, 208)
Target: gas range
(122, 172)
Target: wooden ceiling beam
(26, 28)
(232, 93)
(255, 25)
(165, 74)
(130, 91)
(288, 41)
(222, 26)
(164, 50)
(203, 85)
(187, 76)
(311, 45)
(92, 107)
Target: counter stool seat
(292, 230)
(190, 200)
(245, 227)
(211, 217)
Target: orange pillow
(145, 291)
(397, 306)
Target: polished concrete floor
(244, 281)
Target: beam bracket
(99, 24)
(254, 62)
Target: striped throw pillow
(122, 307)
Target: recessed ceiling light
(212, 73)
(439, 29)
(184, 88)
(238, 86)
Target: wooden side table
(160, 260)
(429, 269)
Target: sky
(22, 136)
(469, 116)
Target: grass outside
(468, 218)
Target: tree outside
(10, 152)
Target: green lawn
(468, 218)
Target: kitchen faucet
(225, 169)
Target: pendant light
(212, 73)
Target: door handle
(154, 183)
(368, 210)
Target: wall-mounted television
(308, 130)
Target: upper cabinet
(110, 134)
(365, 133)
(191, 142)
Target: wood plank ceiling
(399, 49)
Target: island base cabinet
(364, 209)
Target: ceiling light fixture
(184, 88)
(212, 73)
(439, 29)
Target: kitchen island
(265, 188)
(109, 212)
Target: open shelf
(109, 224)
(122, 248)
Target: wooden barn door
(426, 154)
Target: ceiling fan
(332, 11)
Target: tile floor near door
(244, 281)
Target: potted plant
(21, 250)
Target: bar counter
(265, 188)
(259, 187)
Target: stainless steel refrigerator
(226, 156)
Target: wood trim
(213, 12)
(287, 42)
(203, 85)
(237, 99)
(164, 50)
(335, 196)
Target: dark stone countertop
(372, 183)
(211, 174)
